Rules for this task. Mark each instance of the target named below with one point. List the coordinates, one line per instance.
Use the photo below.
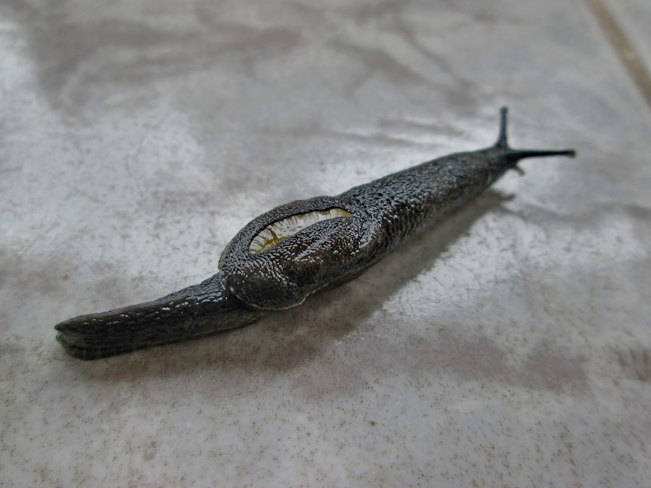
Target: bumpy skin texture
(322, 255)
(384, 211)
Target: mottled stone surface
(509, 347)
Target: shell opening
(287, 227)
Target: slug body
(293, 251)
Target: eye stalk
(282, 229)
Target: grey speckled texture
(510, 346)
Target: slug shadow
(287, 339)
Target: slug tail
(196, 311)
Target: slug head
(285, 255)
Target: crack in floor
(624, 49)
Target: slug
(296, 250)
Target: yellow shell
(287, 227)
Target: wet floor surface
(510, 346)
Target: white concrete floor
(510, 346)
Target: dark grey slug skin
(322, 255)
(189, 313)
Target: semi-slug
(293, 251)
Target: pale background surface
(509, 347)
